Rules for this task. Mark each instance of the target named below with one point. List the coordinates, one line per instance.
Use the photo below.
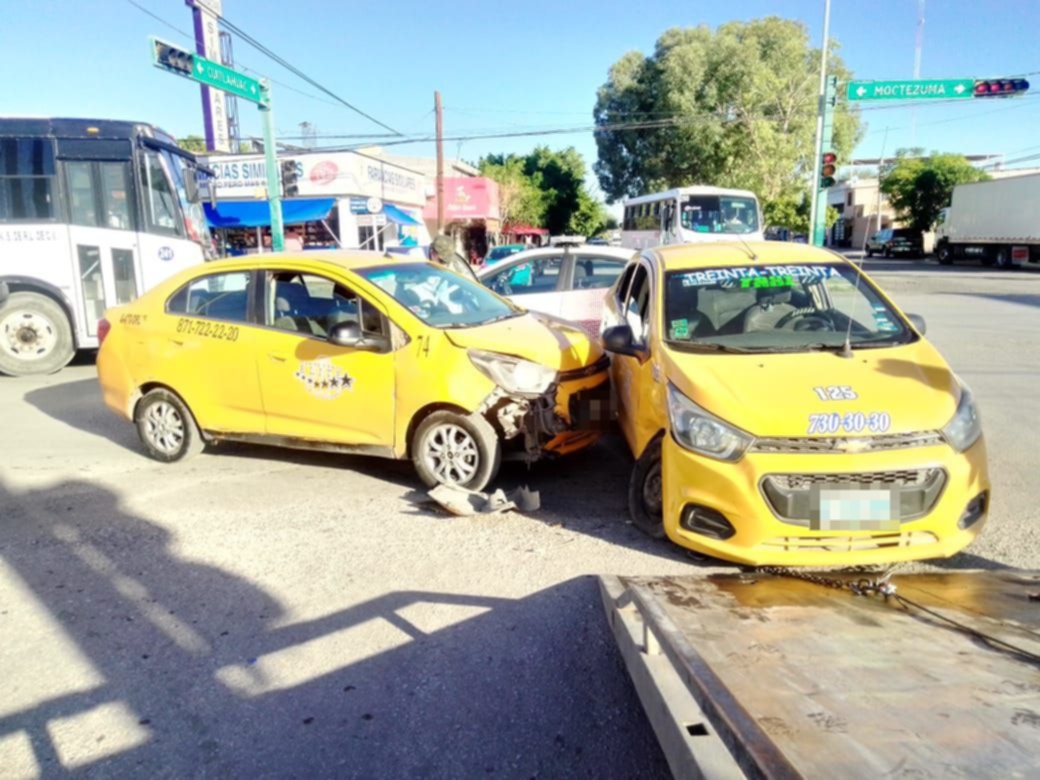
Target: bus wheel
(35, 335)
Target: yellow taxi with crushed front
(782, 410)
(349, 352)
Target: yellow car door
(313, 389)
(205, 352)
(633, 376)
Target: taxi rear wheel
(166, 427)
(455, 449)
(645, 493)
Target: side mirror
(619, 340)
(918, 322)
(348, 334)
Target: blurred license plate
(854, 509)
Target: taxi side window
(216, 296)
(637, 305)
(312, 305)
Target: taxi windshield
(438, 297)
(777, 308)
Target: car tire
(870, 252)
(888, 253)
(454, 449)
(645, 498)
(35, 335)
(944, 254)
(167, 427)
(1003, 259)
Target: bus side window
(160, 201)
(26, 180)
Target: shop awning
(395, 214)
(256, 213)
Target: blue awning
(395, 214)
(256, 213)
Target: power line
(299, 73)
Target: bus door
(102, 236)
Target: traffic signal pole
(274, 187)
(816, 225)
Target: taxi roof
(680, 257)
(349, 259)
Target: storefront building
(343, 199)
(471, 214)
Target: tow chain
(878, 586)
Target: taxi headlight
(966, 426)
(514, 375)
(700, 431)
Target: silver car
(569, 282)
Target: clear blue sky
(500, 66)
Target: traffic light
(1000, 87)
(174, 59)
(290, 181)
(828, 167)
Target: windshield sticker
(767, 281)
(324, 379)
(853, 422)
(801, 273)
(680, 329)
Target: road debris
(461, 502)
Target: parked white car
(570, 282)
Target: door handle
(177, 342)
(276, 358)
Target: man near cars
(442, 251)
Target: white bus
(92, 214)
(689, 215)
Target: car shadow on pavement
(125, 658)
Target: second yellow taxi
(348, 352)
(782, 410)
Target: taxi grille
(914, 491)
(852, 444)
(580, 373)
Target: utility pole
(440, 160)
(815, 229)
(274, 184)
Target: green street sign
(184, 63)
(214, 74)
(919, 89)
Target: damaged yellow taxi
(349, 352)
(782, 410)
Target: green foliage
(545, 188)
(793, 214)
(920, 187)
(744, 97)
(193, 143)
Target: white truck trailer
(997, 222)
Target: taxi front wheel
(166, 427)
(453, 449)
(645, 494)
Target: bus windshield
(718, 214)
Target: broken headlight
(514, 375)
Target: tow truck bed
(751, 675)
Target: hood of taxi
(775, 395)
(537, 338)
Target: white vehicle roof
(612, 252)
(695, 190)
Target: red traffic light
(1000, 87)
(829, 167)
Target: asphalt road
(261, 613)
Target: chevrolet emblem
(852, 446)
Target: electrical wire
(299, 73)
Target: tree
(735, 107)
(519, 199)
(193, 143)
(545, 188)
(794, 214)
(920, 187)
